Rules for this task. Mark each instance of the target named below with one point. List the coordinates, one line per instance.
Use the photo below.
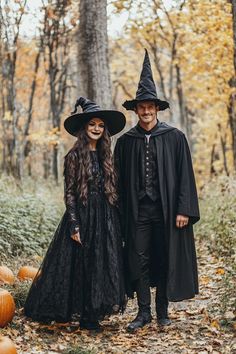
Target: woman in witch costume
(82, 271)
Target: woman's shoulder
(72, 155)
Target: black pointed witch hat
(146, 88)
(114, 120)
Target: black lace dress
(80, 280)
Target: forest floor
(197, 326)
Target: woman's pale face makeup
(94, 130)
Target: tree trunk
(223, 141)
(12, 156)
(212, 168)
(232, 99)
(57, 39)
(46, 164)
(93, 63)
(185, 118)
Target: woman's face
(95, 128)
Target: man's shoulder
(176, 132)
(170, 130)
(128, 134)
(121, 138)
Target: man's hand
(76, 237)
(181, 221)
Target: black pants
(151, 248)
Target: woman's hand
(76, 237)
(181, 221)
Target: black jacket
(178, 196)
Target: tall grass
(29, 214)
(218, 218)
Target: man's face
(146, 111)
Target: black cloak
(178, 196)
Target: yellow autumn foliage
(198, 39)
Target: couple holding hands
(129, 217)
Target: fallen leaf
(220, 271)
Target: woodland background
(46, 67)
(52, 52)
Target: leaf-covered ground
(197, 326)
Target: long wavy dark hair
(81, 146)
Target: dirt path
(196, 327)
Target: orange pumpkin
(6, 275)
(7, 346)
(7, 308)
(27, 272)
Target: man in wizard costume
(159, 206)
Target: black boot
(163, 321)
(162, 315)
(162, 308)
(143, 318)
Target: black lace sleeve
(70, 195)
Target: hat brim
(131, 105)
(114, 121)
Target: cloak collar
(160, 128)
(147, 132)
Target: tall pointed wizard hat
(114, 120)
(146, 88)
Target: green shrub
(29, 215)
(218, 218)
(228, 298)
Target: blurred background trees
(60, 50)
(191, 44)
